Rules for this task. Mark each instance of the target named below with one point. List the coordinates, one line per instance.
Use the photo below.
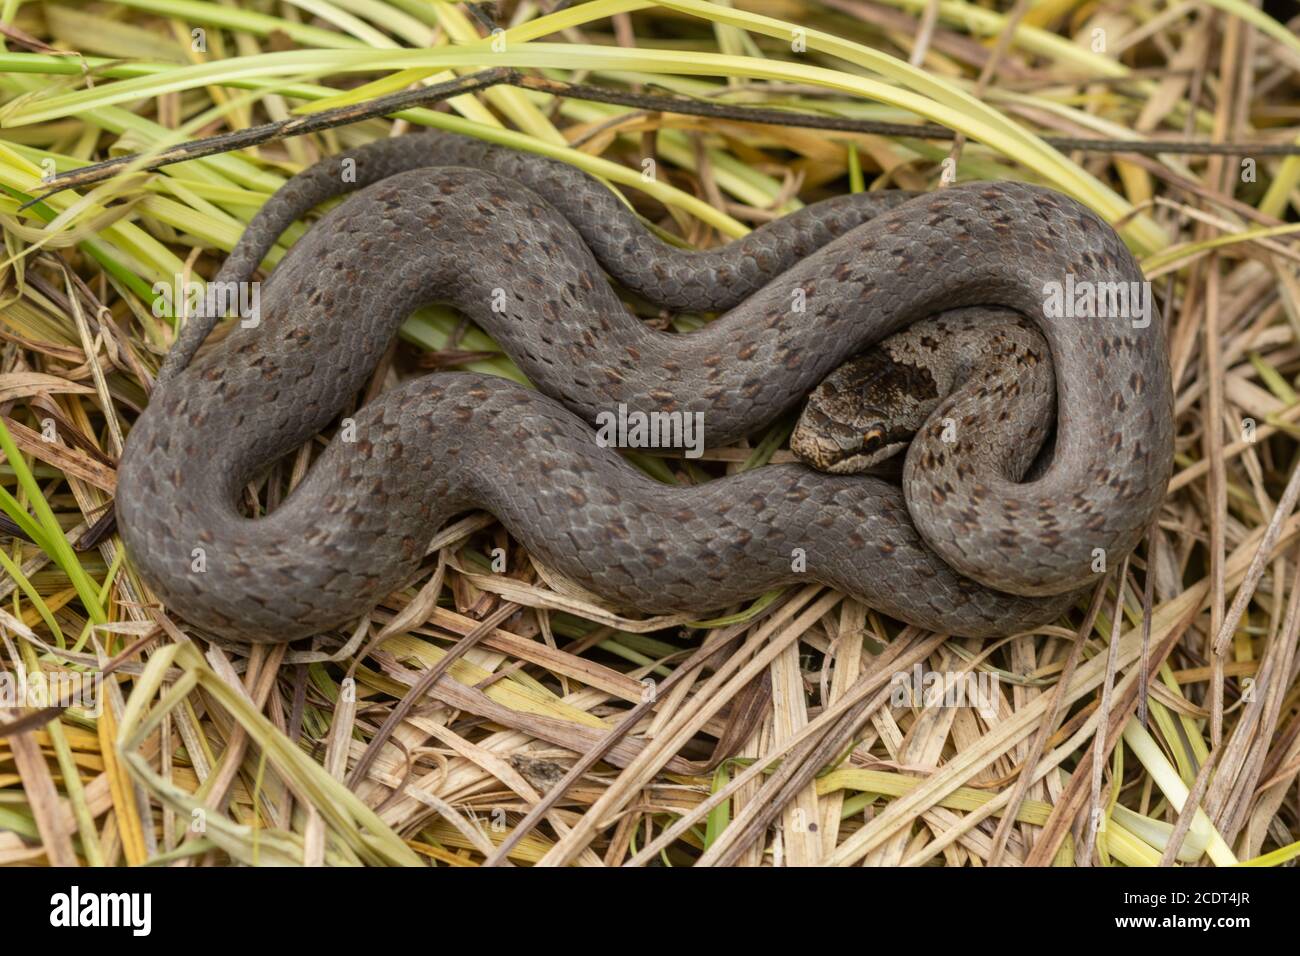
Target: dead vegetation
(481, 716)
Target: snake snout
(863, 413)
(839, 447)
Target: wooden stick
(650, 102)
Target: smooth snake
(521, 245)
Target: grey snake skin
(521, 244)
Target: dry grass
(778, 742)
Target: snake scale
(522, 245)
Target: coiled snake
(521, 244)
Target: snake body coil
(517, 243)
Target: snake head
(863, 413)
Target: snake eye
(872, 437)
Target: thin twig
(1069, 803)
(651, 102)
(1046, 728)
(1188, 813)
(625, 725)
(1148, 600)
(1255, 572)
(420, 687)
(990, 69)
(799, 768)
(1103, 716)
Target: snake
(986, 535)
